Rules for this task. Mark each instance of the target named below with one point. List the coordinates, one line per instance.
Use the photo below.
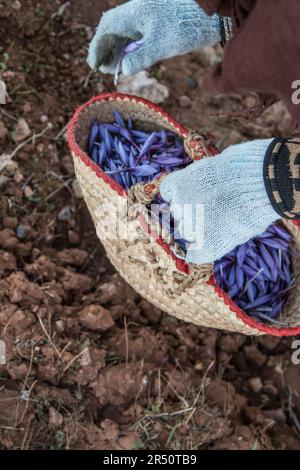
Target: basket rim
(180, 264)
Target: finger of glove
(104, 54)
(115, 30)
(167, 187)
(196, 254)
(142, 59)
(191, 225)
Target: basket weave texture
(147, 263)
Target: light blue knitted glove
(229, 192)
(167, 28)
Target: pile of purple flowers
(131, 156)
(256, 275)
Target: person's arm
(240, 192)
(238, 10)
(263, 56)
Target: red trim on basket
(181, 265)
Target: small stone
(55, 418)
(65, 214)
(209, 55)
(96, 318)
(28, 192)
(21, 132)
(255, 384)
(5, 161)
(27, 108)
(17, 5)
(3, 181)
(40, 148)
(60, 326)
(185, 101)
(3, 92)
(144, 86)
(18, 177)
(250, 101)
(73, 237)
(85, 358)
(3, 131)
(192, 83)
(21, 232)
(44, 118)
(77, 189)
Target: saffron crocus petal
(133, 47)
(102, 154)
(151, 139)
(119, 119)
(95, 154)
(276, 243)
(123, 154)
(145, 170)
(170, 161)
(241, 254)
(92, 136)
(281, 232)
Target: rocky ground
(89, 363)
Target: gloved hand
(167, 28)
(230, 188)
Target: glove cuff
(282, 176)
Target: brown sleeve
(263, 55)
(238, 10)
(282, 176)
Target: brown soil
(89, 363)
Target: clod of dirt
(96, 318)
(144, 345)
(10, 222)
(44, 268)
(20, 291)
(73, 257)
(115, 291)
(254, 355)
(17, 371)
(119, 385)
(73, 281)
(8, 262)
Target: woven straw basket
(146, 261)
